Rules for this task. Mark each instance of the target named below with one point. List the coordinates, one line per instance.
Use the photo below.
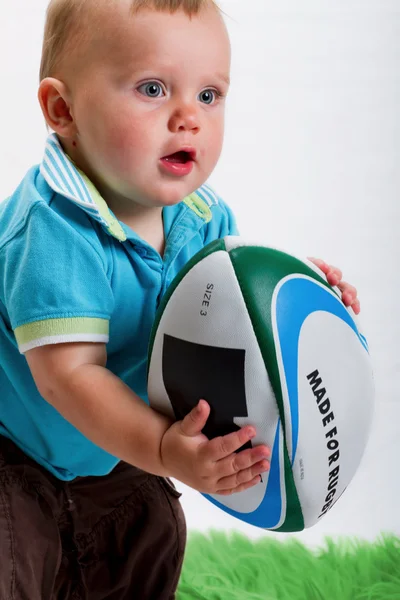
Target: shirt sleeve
(55, 286)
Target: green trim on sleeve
(25, 334)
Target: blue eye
(207, 96)
(151, 89)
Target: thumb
(194, 421)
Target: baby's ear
(54, 100)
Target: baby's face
(148, 88)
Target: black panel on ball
(195, 371)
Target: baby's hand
(211, 466)
(334, 277)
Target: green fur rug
(221, 566)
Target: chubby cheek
(115, 141)
(212, 147)
(125, 146)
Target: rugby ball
(262, 336)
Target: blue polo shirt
(70, 272)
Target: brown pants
(117, 537)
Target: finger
(347, 287)
(356, 307)
(223, 446)
(194, 422)
(245, 486)
(321, 264)
(347, 298)
(242, 460)
(244, 476)
(334, 275)
(354, 303)
(349, 293)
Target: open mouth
(182, 157)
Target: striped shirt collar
(66, 179)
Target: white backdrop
(309, 164)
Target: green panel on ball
(258, 270)
(206, 251)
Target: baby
(134, 93)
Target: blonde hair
(65, 19)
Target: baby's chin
(171, 193)
(156, 195)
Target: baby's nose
(185, 118)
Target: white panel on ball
(225, 328)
